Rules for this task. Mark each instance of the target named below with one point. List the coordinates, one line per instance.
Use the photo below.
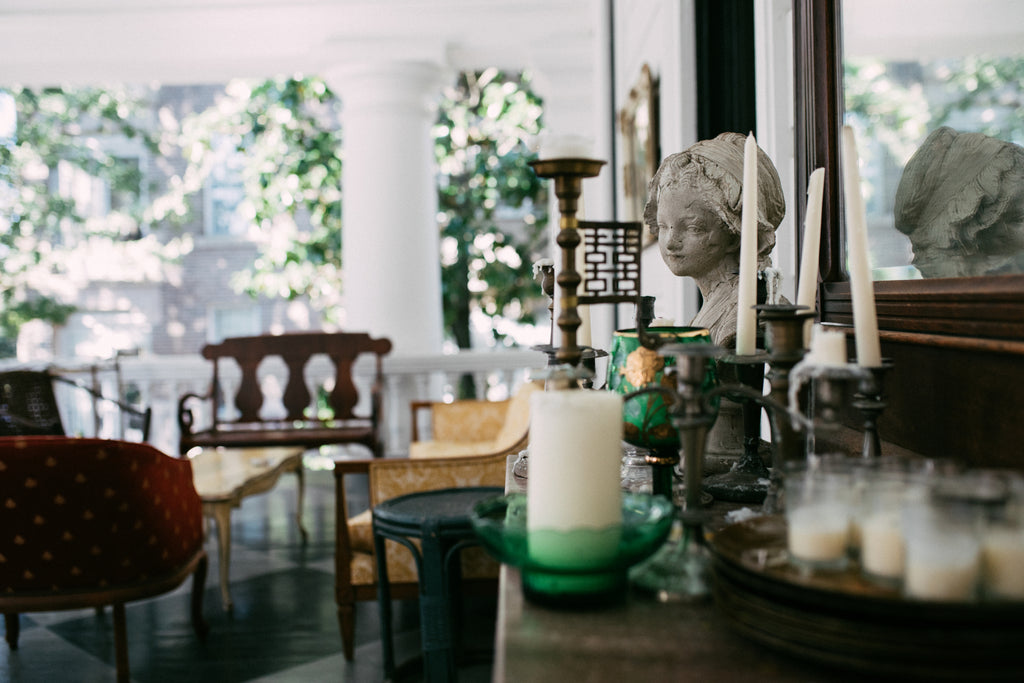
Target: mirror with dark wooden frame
(957, 333)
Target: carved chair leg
(347, 621)
(12, 627)
(121, 644)
(198, 587)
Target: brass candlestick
(568, 175)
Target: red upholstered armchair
(92, 522)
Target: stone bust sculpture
(694, 207)
(961, 202)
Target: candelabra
(678, 571)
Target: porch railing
(157, 382)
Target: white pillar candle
(805, 295)
(746, 318)
(575, 459)
(865, 318)
(828, 347)
(1002, 554)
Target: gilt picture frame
(638, 123)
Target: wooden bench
(301, 425)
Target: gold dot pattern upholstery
(81, 513)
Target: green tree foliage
(287, 131)
(53, 134)
(898, 103)
(482, 150)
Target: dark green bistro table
(441, 521)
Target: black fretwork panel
(611, 261)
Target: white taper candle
(812, 240)
(865, 318)
(746, 318)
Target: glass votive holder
(943, 545)
(1002, 547)
(636, 474)
(818, 512)
(880, 523)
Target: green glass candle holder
(631, 367)
(579, 568)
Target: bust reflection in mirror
(694, 207)
(961, 203)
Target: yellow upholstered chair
(355, 566)
(473, 427)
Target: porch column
(390, 243)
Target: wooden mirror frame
(955, 343)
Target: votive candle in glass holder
(818, 512)
(1002, 547)
(943, 548)
(1002, 553)
(882, 542)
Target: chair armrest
(342, 542)
(416, 408)
(185, 417)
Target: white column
(390, 241)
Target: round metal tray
(842, 619)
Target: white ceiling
(49, 42)
(923, 29)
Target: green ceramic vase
(631, 367)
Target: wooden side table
(224, 476)
(440, 520)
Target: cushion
(517, 420)
(467, 420)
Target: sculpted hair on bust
(961, 202)
(714, 168)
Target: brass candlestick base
(568, 175)
(870, 401)
(747, 481)
(784, 339)
(678, 572)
